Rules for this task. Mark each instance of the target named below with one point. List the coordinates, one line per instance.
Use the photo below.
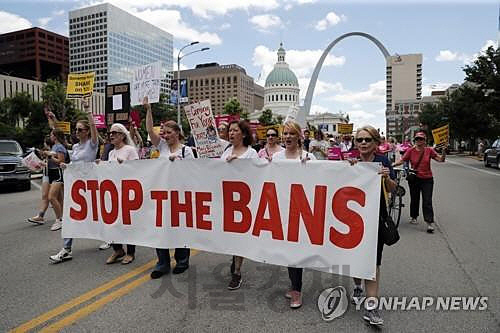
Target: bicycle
(396, 197)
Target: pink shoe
(288, 294)
(296, 300)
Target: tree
(233, 107)
(279, 119)
(266, 118)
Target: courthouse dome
(281, 74)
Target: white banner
(204, 129)
(321, 215)
(146, 83)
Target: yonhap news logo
(332, 303)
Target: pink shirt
(264, 152)
(125, 153)
(424, 168)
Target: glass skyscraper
(112, 42)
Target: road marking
(36, 185)
(82, 299)
(473, 168)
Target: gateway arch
(314, 78)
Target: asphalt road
(462, 258)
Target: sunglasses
(367, 140)
(271, 135)
(80, 129)
(419, 138)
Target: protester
(57, 155)
(84, 151)
(367, 140)
(240, 137)
(171, 148)
(346, 145)
(307, 139)
(224, 133)
(272, 145)
(420, 158)
(44, 201)
(384, 147)
(124, 150)
(293, 150)
(319, 147)
(391, 154)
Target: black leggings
(295, 275)
(130, 248)
(424, 186)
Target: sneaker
(288, 294)
(296, 300)
(104, 246)
(57, 225)
(63, 255)
(373, 317)
(413, 220)
(36, 220)
(430, 228)
(235, 282)
(356, 294)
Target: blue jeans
(181, 256)
(68, 242)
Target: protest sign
(33, 162)
(64, 126)
(226, 118)
(344, 128)
(99, 120)
(117, 103)
(262, 130)
(441, 135)
(334, 153)
(80, 85)
(284, 212)
(204, 130)
(146, 82)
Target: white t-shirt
(84, 152)
(281, 155)
(125, 153)
(250, 153)
(166, 153)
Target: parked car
(492, 154)
(12, 169)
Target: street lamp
(179, 57)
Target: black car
(492, 154)
(12, 169)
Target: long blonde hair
(290, 124)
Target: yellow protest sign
(64, 126)
(344, 128)
(262, 130)
(80, 85)
(441, 135)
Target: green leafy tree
(279, 119)
(233, 107)
(266, 118)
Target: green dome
(281, 76)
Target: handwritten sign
(203, 128)
(99, 120)
(146, 83)
(441, 135)
(80, 85)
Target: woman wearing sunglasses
(292, 137)
(367, 139)
(83, 151)
(271, 146)
(124, 151)
(420, 159)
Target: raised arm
(90, 117)
(155, 138)
(50, 116)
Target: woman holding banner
(84, 151)
(124, 150)
(240, 138)
(420, 158)
(367, 140)
(170, 147)
(272, 145)
(292, 137)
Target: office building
(404, 82)
(220, 83)
(34, 54)
(111, 42)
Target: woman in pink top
(420, 157)
(272, 145)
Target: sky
(449, 34)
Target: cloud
(12, 22)
(265, 22)
(58, 12)
(447, 55)
(225, 26)
(331, 19)
(171, 21)
(318, 109)
(43, 21)
(374, 94)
